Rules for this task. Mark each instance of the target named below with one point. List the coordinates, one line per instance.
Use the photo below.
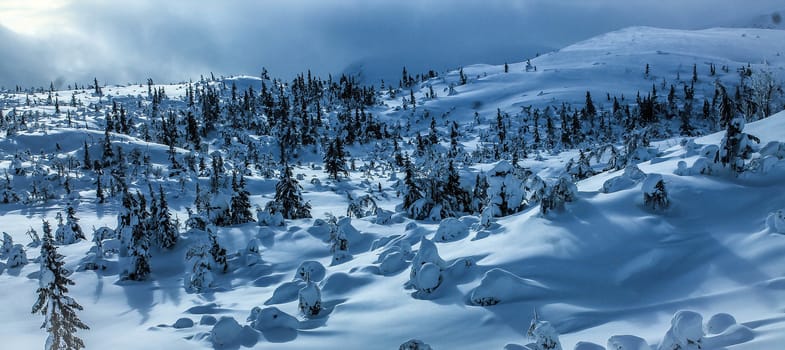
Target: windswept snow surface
(605, 266)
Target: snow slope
(605, 266)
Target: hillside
(603, 263)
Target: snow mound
(583, 345)
(272, 318)
(310, 300)
(627, 342)
(500, 286)
(184, 322)
(628, 179)
(310, 271)
(414, 344)
(686, 332)
(285, 293)
(428, 277)
(451, 229)
(776, 221)
(719, 323)
(394, 257)
(228, 334)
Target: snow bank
(628, 179)
(271, 318)
(627, 342)
(227, 334)
(499, 286)
(310, 270)
(719, 323)
(451, 229)
(583, 345)
(414, 344)
(776, 221)
(686, 332)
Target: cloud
(130, 40)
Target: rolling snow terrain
(607, 188)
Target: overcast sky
(121, 41)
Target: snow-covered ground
(607, 265)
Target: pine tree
(59, 310)
(413, 192)
(655, 197)
(167, 231)
(334, 162)
(590, 110)
(241, 202)
(139, 247)
(108, 152)
(218, 252)
(200, 277)
(99, 191)
(456, 198)
(72, 223)
(87, 163)
(288, 199)
(192, 130)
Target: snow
(720, 322)
(627, 342)
(451, 229)
(601, 267)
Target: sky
(128, 41)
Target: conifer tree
(87, 163)
(241, 202)
(167, 231)
(334, 162)
(59, 310)
(413, 192)
(139, 247)
(288, 199)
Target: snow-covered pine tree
(218, 253)
(17, 257)
(562, 192)
(58, 309)
(167, 232)
(139, 248)
(288, 200)
(71, 231)
(334, 162)
(655, 196)
(412, 192)
(736, 145)
(310, 299)
(582, 169)
(87, 164)
(8, 243)
(241, 202)
(545, 336)
(456, 199)
(200, 276)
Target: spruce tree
(139, 247)
(241, 202)
(59, 310)
(413, 192)
(167, 231)
(288, 199)
(87, 163)
(192, 130)
(591, 111)
(334, 162)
